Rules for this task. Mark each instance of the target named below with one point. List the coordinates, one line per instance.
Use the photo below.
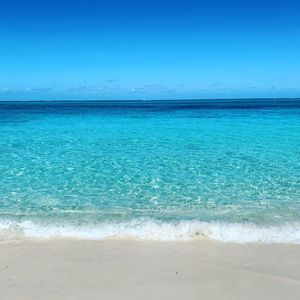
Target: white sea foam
(154, 230)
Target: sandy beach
(110, 269)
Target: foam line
(154, 230)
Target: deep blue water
(224, 169)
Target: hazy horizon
(158, 100)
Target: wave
(155, 230)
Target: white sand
(70, 269)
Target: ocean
(226, 170)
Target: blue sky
(84, 49)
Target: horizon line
(145, 100)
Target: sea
(225, 170)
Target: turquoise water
(226, 170)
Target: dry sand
(74, 269)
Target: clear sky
(84, 49)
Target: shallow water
(228, 170)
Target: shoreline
(126, 269)
(153, 230)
